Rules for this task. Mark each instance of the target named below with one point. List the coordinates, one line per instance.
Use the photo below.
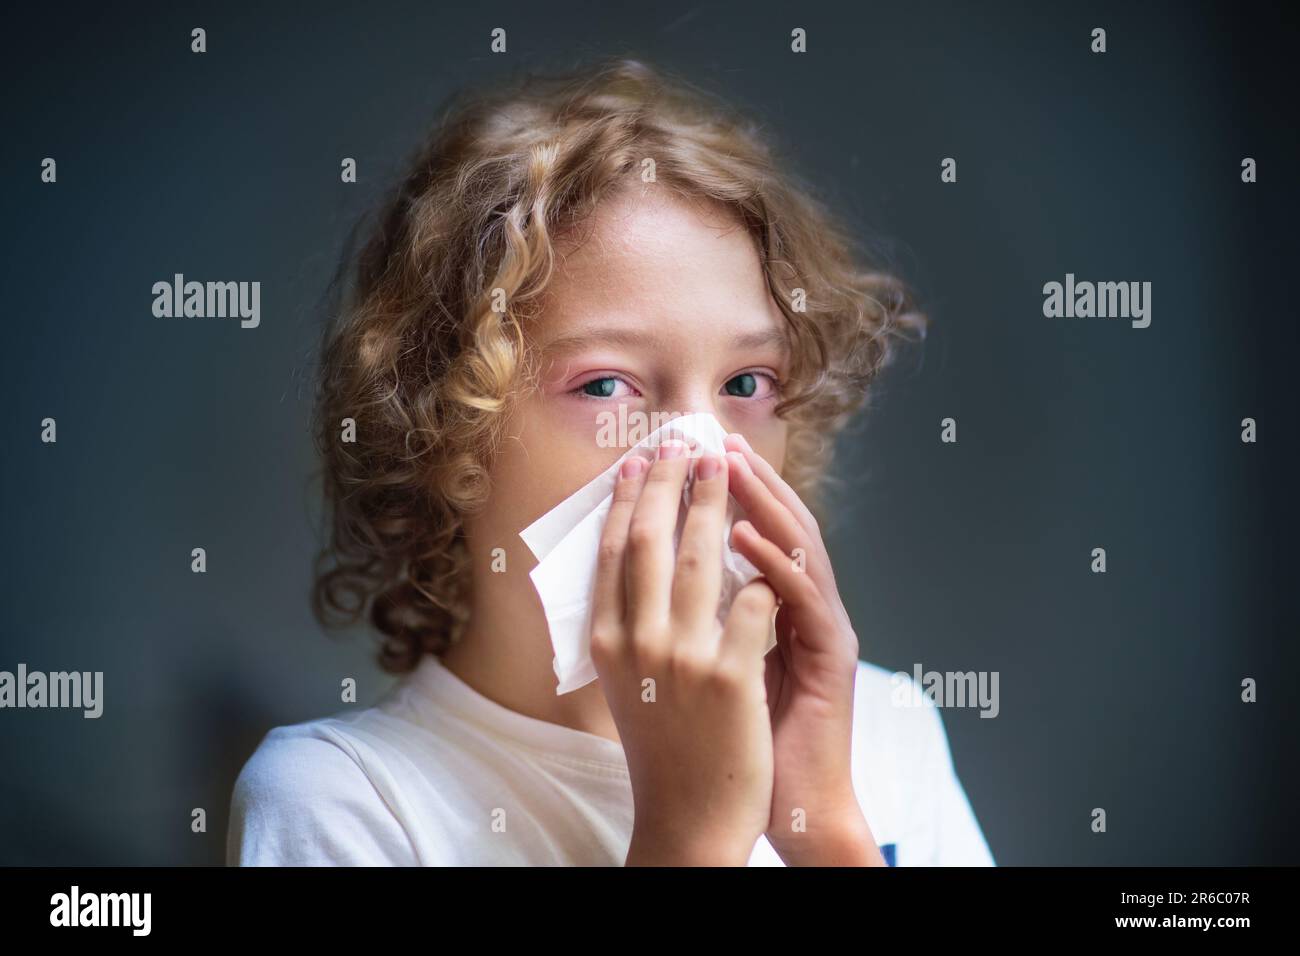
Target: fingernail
(707, 467)
(632, 467)
(671, 448)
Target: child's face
(663, 308)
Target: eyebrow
(563, 344)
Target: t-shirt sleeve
(952, 834)
(303, 800)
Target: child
(559, 250)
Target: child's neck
(506, 657)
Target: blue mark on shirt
(890, 852)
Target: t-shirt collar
(446, 689)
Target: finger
(697, 576)
(773, 519)
(649, 565)
(608, 600)
(749, 624)
(819, 562)
(773, 480)
(802, 603)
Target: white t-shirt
(436, 774)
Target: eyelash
(776, 385)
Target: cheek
(551, 456)
(769, 440)
(549, 452)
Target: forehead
(648, 255)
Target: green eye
(743, 385)
(600, 387)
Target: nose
(693, 397)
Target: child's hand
(810, 674)
(700, 753)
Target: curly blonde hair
(426, 370)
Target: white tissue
(566, 539)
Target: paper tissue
(565, 541)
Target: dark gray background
(1118, 690)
